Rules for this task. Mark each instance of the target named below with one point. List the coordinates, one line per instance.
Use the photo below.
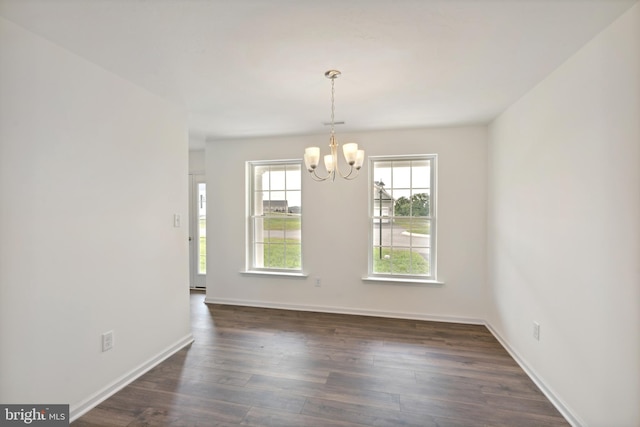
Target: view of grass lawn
(413, 225)
(202, 248)
(399, 262)
(279, 252)
(282, 223)
(282, 253)
(202, 255)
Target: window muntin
(402, 217)
(275, 216)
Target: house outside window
(274, 241)
(402, 217)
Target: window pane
(382, 172)
(401, 261)
(270, 251)
(282, 253)
(382, 260)
(401, 176)
(290, 227)
(294, 201)
(420, 202)
(382, 203)
(293, 255)
(420, 174)
(418, 230)
(401, 202)
(419, 263)
(277, 178)
(276, 203)
(383, 232)
(294, 177)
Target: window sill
(273, 274)
(400, 281)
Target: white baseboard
(344, 310)
(562, 407)
(79, 409)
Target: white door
(198, 231)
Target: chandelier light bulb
(329, 163)
(311, 157)
(350, 152)
(359, 159)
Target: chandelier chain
(333, 81)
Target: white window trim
(272, 272)
(399, 280)
(249, 238)
(404, 278)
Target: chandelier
(353, 156)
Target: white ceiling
(256, 67)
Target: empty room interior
(189, 237)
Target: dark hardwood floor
(265, 367)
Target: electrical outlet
(107, 341)
(176, 220)
(536, 331)
(317, 283)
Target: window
(202, 228)
(275, 215)
(402, 217)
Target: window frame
(430, 278)
(250, 232)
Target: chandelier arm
(353, 173)
(347, 175)
(316, 177)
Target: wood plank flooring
(265, 367)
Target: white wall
(92, 170)
(335, 228)
(564, 228)
(197, 161)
